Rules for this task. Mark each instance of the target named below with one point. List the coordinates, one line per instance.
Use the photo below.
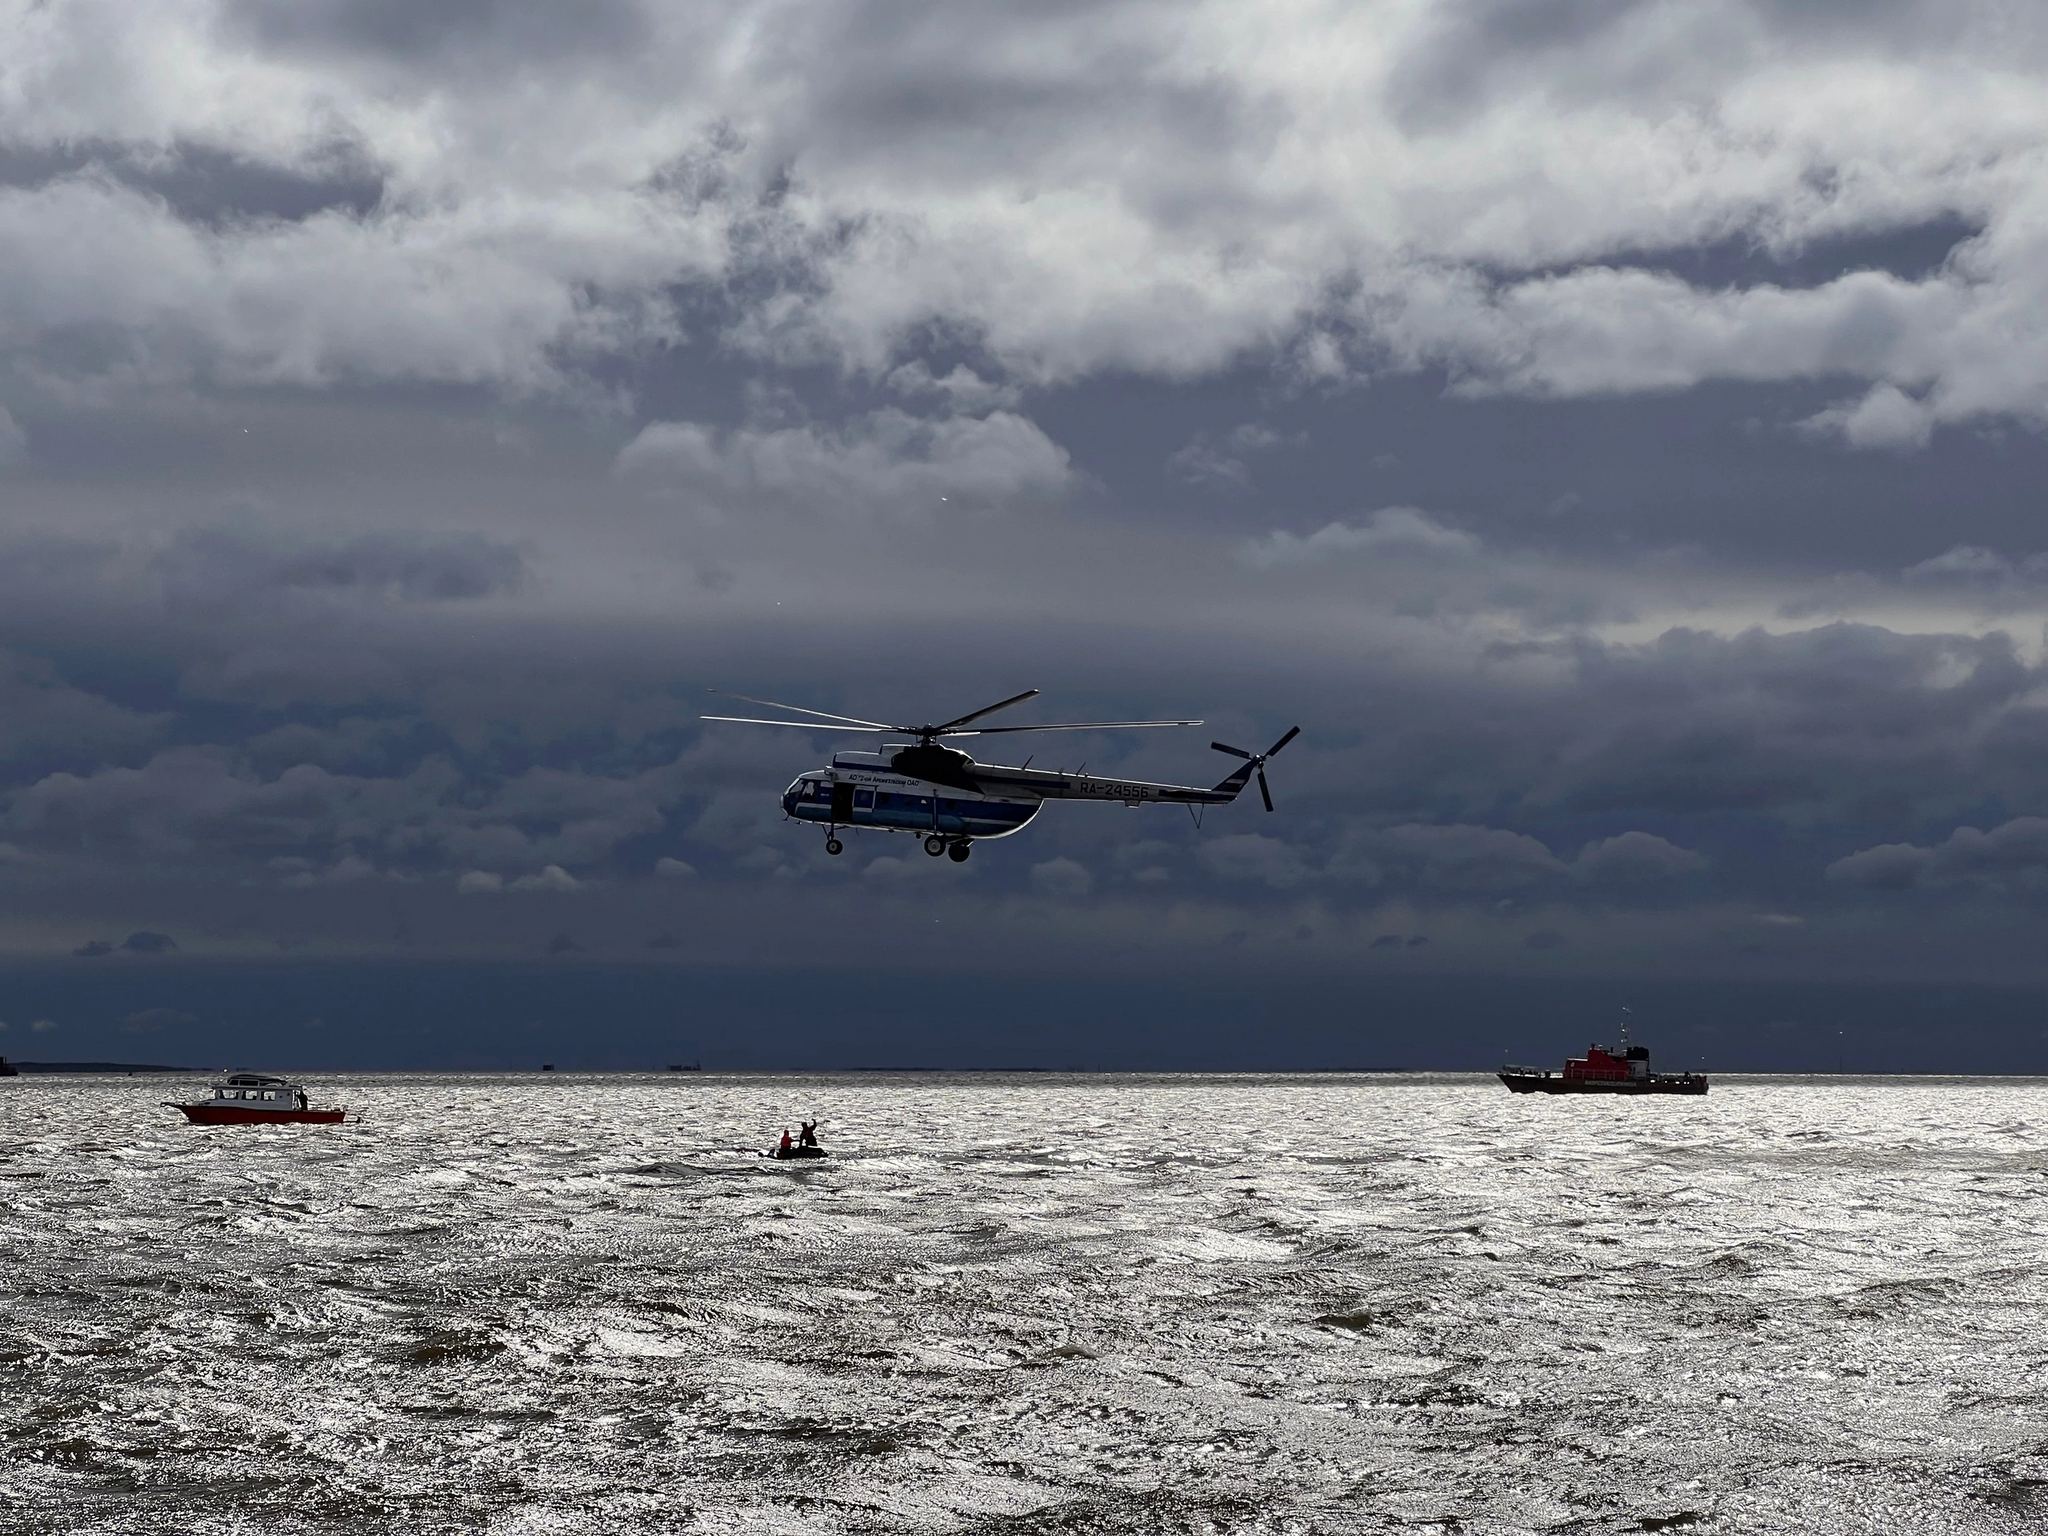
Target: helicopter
(944, 796)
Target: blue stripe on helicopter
(914, 813)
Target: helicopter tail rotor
(1254, 765)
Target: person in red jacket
(783, 1149)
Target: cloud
(343, 871)
(1222, 460)
(1251, 857)
(93, 949)
(430, 294)
(2011, 857)
(400, 474)
(552, 878)
(887, 464)
(13, 441)
(1962, 562)
(1635, 856)
(40, 1026)
(963, 391)
(340, 197)
(563, 944)
(144, 943)
(1391, 532)
(1798, 726)
(1456, 857)
(218, 565)
(1062, 878)
(1886, 417)
(192, 801)
(41, 714)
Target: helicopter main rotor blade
(1292, 732)
(802, 725)
(1218, 746)
(798, 709)
(1029, 693)
(1265, 794)
(1090, 725)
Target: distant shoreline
(26, 1067)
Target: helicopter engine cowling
(936, 765)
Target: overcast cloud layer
(1612, 432)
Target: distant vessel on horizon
(1604, 1070)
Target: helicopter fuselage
(929, 790)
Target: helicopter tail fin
(1234, 785)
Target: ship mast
(1624, 1031)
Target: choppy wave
(1087, 1304)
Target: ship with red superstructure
(1603, 1069)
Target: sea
(546, 1303)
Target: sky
(1612, 431)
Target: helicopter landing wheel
(957, 853)
(935, 845)
(834, 846)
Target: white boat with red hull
(256, 1098)
(1603, 1069)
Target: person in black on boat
(304, 1102)
(808, 1136)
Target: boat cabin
(1600, 1064)
(257, 1087)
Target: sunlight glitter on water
(570, 1304)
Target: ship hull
(1544, 1082)
(247, 1114)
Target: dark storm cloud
(1474, 50)
(204, 184)
(409, 410)
(309, 826)
(2008, 859)
(42, 716)
(223, 565)
(458, 34)
(1844, 721)
(1258, 182)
